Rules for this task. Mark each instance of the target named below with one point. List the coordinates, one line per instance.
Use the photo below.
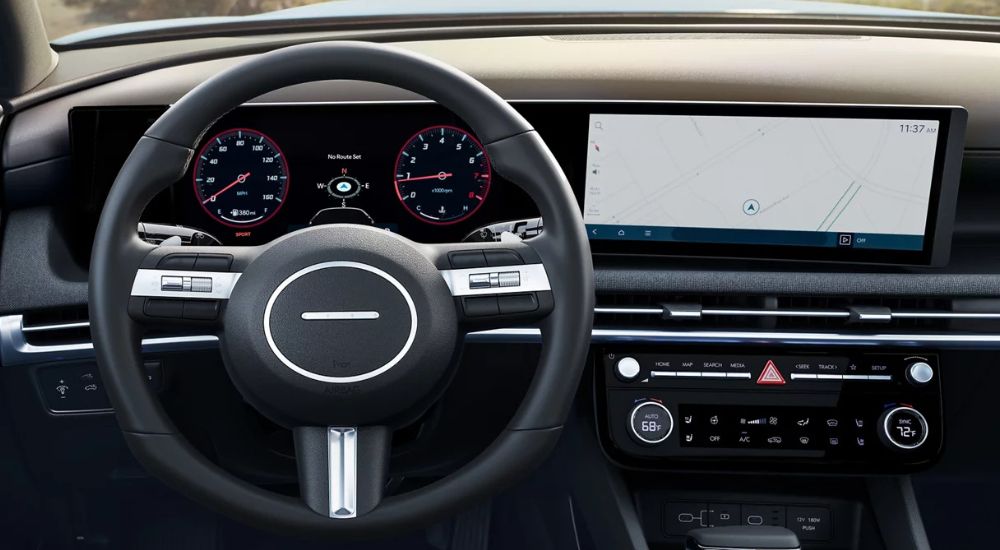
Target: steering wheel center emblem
(332, 333)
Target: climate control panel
(864, 408)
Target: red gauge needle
(239, 179)
(439, 176)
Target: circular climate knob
(919, 373)
(627, 368)
(903, 428)
(651, 422)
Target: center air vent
(805, 313)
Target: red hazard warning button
(770, 376)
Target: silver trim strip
(629, 310)
(15, 349)
(533, 279)
(148, 283)
(820, 313)
(631, 336)
(339, 315)
(57, 326)
(342, 446)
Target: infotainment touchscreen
(837, 186)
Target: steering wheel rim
(162, 156)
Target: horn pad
(340, 324)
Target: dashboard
(871, 184)
(684, 295)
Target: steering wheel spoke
(342, 469)
(494, 284)
(187, 285)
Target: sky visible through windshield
(63, 17)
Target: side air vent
(64, 335)
(809, 313)
(56, 327)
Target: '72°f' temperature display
(240, 177)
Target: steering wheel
(341, 333)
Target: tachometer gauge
(442, 175)
(240, 178)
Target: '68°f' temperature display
(442, 175)
(240, 177)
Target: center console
(847, 411)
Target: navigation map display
(778, 181)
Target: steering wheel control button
(181, 262)
(506, 279)
(201, 310)
(517, 303)
(651, 422)
(479, 280)
(627, 369)
(500, 258)
(164, 308)
(213, 262)
(481, 306)
(904, 428)
(172, 283)
(201, 284)
(467, 259)
(919, 373)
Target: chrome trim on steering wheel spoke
(155, 283)
(508, 279)
(342, 447)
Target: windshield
(66, 17)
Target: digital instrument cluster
(263, 171)
(268, 170)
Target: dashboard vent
(56, 326)
(802, 313)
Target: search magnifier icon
(598, 125)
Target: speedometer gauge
(442, 175)
(240, 178)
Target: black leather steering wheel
(339, 332)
